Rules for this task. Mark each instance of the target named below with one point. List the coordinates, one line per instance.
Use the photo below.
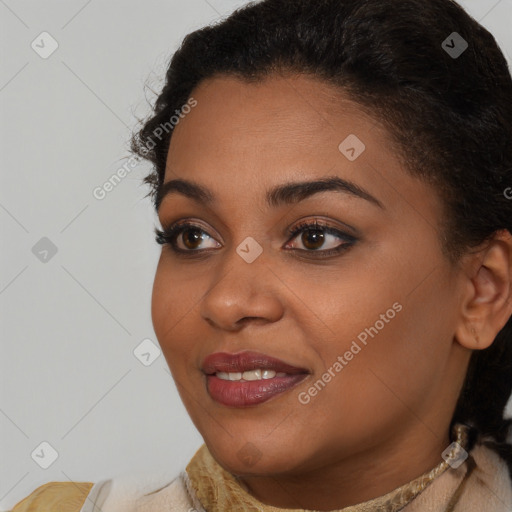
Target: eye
(189, 235)
(186, 238)
(315, 235)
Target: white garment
(130, 493)
(488, 489)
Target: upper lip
(245, 361)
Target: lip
(245, 361)
(248, 393)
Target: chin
(259, 457)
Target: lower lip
(246, 393)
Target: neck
(359, 478)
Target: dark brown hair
(450, 117)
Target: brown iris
(192, 236)
(312, 238)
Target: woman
(334, 292)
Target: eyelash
(169, 235)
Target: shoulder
(52, 496)
(127, 493)
(491, 482)
(176, 495)
(482, 483)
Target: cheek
(172, 304)
(340, 306)
(393, 335)
(381, 383)
(162, 302)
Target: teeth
(250, 375)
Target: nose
(245, 292)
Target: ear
(487, 300)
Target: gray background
(70, 321)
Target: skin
(383, 420)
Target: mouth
(248, 378)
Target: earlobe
(487, 305)
(474, 333)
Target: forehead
(279, 113)
(243, 138)
(280, 123)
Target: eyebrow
(285, 194)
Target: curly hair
(450, 118)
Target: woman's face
(370, 328)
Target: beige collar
(220, 491)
